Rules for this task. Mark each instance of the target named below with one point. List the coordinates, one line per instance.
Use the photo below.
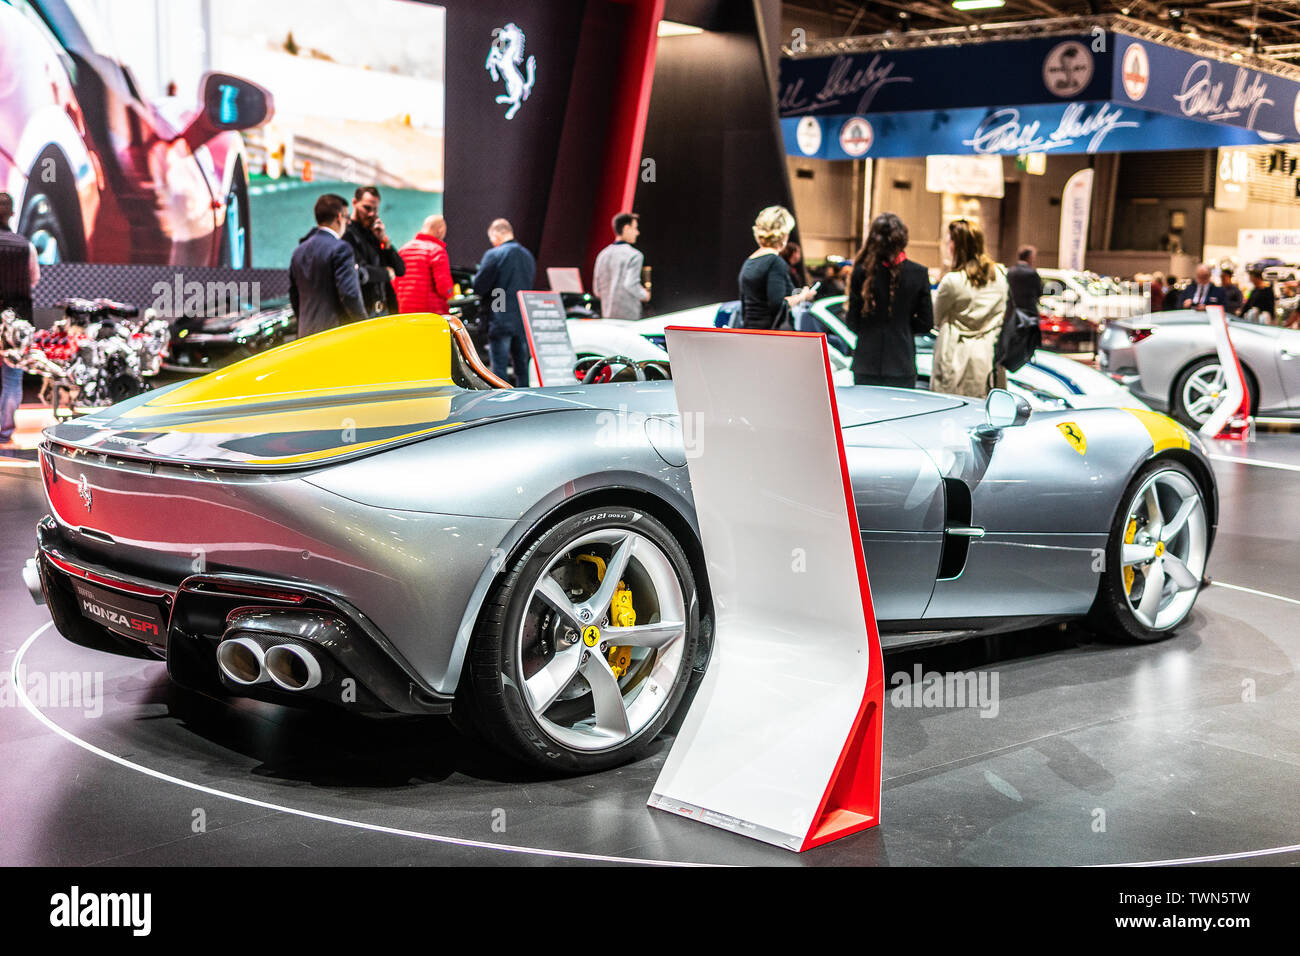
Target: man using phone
(378, 263)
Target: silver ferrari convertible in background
(1170, 360)
(366, 518)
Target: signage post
(782, 742)
(548, 337)
(1231, 419)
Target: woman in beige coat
(968, 311)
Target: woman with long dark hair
(889, 303)
(969, 307)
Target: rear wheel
(1200, 389)
(585, 648)
(1155, 557)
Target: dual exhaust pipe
(247, 661)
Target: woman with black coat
(767, 291)
(889, 303)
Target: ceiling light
(977, 4)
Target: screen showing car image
(139, 161)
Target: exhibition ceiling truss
(1270, 28)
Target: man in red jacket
(427, 284)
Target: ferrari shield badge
(1074, 435)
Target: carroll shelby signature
(1002, 132)
(843, 81)
(1201, 96)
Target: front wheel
(1155, 557)
(585, 648)
(236, 247)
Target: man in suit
(506, 270)
(378, 263)
(323, 286)
(1201, 292)
(1026, 283)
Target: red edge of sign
(1229, 432)
(852, 799)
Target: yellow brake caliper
(1129, 534)
(621, 614)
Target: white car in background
(1049, 381)
(1086, 295)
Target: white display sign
(782, 741)
(1076, 208)
(965, 175)
(1256, 244)
(1232, 179)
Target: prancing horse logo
(83, 489)
(1074, 435)
(503, 62)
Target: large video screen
(105, 148)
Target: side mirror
(1002, 410)
(227, 103)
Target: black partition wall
(713, 139)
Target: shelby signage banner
(548, 337)
(1090, 93)
(1010, 131)
(1041, 70)
(1184, 84)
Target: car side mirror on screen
(1002, 410)
(227, 103)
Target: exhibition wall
(717, 170)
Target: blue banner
(1038, 70)
(1011, 130)
(1209, 91)
(1084, 93)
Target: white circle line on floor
(15, 676)
(1245, 590)
(1258, 462)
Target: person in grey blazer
(323, 285)
(617, 277)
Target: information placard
(548, 337)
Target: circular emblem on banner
(1136, 71)
(856, 136)
(1296, 111)
(808, 135)
(1067, 68)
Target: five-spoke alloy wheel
(1155, 559)
(585, 647)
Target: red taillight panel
(1137, 335)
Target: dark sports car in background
(101, 174)
(364, 518)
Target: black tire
(49, 216)
(1178, 405)
(1112, 614)
(236, 236)
(491, 694)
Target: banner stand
(1231, 420)
(783, 740)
